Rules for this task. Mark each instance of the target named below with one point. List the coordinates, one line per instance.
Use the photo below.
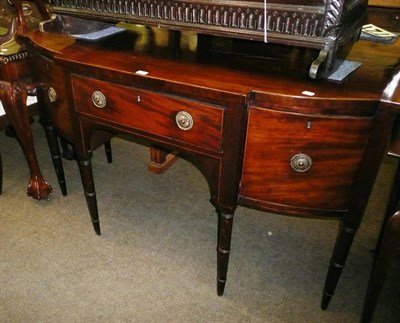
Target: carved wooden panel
(307, 18)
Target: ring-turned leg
(337, 262)
(225, 222)
(85, 168)
(55, 152)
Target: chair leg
(107, 147)
(86, 171)
(52, 141)
(67, 151)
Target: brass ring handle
(99, 99)
(184, 120)
(301, 163)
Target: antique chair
(17, 85)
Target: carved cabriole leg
(225, 222)
(85, 168)
(337, 263)
(13, 96)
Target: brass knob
(99, 99)
(52, 94)
(184, 120)
(301, 163)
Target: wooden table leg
(13, 96)
(161, 160)
(225, 222)
(337, 263)
(86, 171)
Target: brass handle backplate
(52, 94)
(301, 163)
(184, 120)
(99, 99)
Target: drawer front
(171, 117)
(302, 161)
(57, 105)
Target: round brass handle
(184, 120)
(301, 163)
(52, 94)
(99, 99)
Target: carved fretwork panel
(321, 24)
(306, 21)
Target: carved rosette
(245, 16)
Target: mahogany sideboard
(261, 131)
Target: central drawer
(177, 119)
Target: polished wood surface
(387, 18)
(250, 108)
(335, 146)
(246, 105)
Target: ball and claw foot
(39, 189)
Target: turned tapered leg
(52, 141)
(337, 263)
(85, 168)
(225, 222)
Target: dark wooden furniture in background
(326, 25)
(388, 244)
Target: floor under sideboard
(155, 260)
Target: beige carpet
(156, 261)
